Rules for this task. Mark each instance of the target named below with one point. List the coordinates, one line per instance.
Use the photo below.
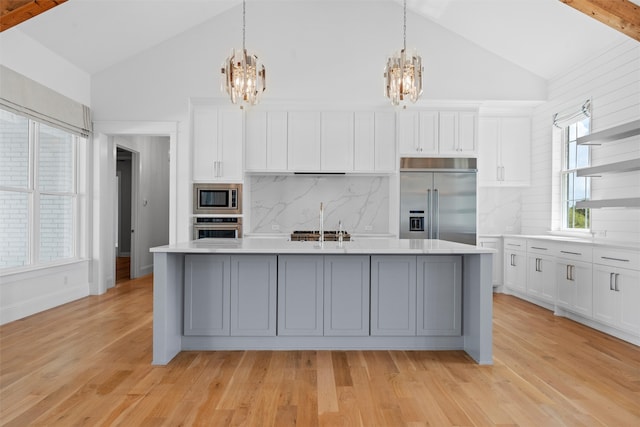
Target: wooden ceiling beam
(14, 12)
(621, 15)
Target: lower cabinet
(439, 296)
(346, 295)
(616, 293)
(300, 290)
(393, 295)
(416, 295)
(574, 286)
(207, 287)
(515, 266)
(541, 277)
(230, 295)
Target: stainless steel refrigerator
(438, 199)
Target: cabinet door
(439, 295)
(206, 294)
(428, 132)
(448, 133)
(515, 270)
(364, 141)
(627, 285)
(230, 137)
(541, 277)
(393, 295)
(346, 295)
(385, 142)
(605, 297)
(489, 171)
(515, 151)
(300, 290)
(467, 133)
(494, 243)
(253, 295)
(408, 133)
(304, 141)
(336, 139)
(574, 285)
(277, 140)
(205, 143)
(255, 140)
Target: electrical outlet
(275, 227)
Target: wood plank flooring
(89, 363)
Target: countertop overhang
(360, 246)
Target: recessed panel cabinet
(439, 295)
(437, 133)
(574, 281)
(217, 137)
(515, 265)
(505, 145)
(374, 141)
(616, 294)
(393, 295)
(266, 141)
(304, 141)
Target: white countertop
(357, 246)
(571, 239)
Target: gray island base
(367, 294)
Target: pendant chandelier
(403, 74)
(243, 75)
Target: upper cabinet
(437, 133)
(336, 141)
(266, 141)
(217, 138)
(505, 144)
(374, 141)
(304, 141)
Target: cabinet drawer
(617, 258)
(575, 252)
(540, 247)
(515, 244)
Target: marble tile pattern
(499, 210)
(292, 202)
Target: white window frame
(566, 172)
(33, 196)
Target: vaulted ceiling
(95, 34)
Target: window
(575, 188)
(38, 192)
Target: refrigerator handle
(436, 212)
(429, 214)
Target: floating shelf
(612, 134)
(633, 202)
(619, 167)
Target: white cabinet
(346, 295)
(253, 295)
(207, 286)
(437, 133)
(304, 141)
(616, 290)
(505, 145)
(336, 141)
(439, 295)
(541, 271)
(457, 133)
(574, 280)
(217, 136)
(300, 295)
(498, 258)
(393, 295)
(374, 141)
(266, 141)
(515, 267)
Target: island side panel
(478, 307)
(168, 273)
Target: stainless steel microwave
(215, 199)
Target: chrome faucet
(321, 225)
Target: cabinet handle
(617, 288)
(513, 260)
(570, 272)
(611, 280)
(571, 253)
(539, 264)
(615, 259)
(540, 249)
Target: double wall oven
(217, 210)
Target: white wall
(612, 81)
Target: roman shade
(27, 97)
(563, 120)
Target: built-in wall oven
(208, 227)
(216, 199)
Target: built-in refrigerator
(438, 199)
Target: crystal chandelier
(403, 73)
(243, 75)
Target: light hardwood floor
(89, 363)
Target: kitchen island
(371, 293)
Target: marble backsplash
(292, 202)
(499, 210)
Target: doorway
(124, 213)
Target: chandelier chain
(405, 25)
(244, 23)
